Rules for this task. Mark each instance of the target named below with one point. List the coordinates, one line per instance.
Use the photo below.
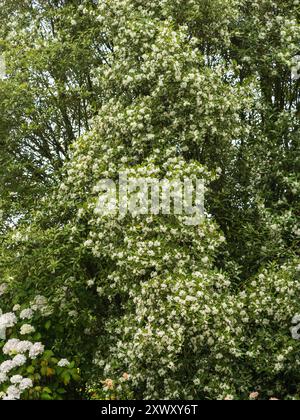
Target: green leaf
(30, 369)
(48, 325)
(46, 396)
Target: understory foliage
(147, 306)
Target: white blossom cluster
(19, 351)
(63, 363)
(7, 320)
(19, 384)
(26, 313)
(15, 391)
(3, 288)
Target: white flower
(27, 329)
(205, 260)
(19, 360)
(90, 283)
(7, 366)
(3, 378)
(36, 350)
(24, 346)
(11, 346)
(16, 379)
(16, 308)
(210, 341)
(13, 392)
(39, 303)
(16, 346)
(88, 243)
(63, 363)
(8, 320)
(26, 383)
(3, 288)
(26, 314)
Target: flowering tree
(172, 310)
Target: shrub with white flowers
(27, 370)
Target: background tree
(47, 99)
